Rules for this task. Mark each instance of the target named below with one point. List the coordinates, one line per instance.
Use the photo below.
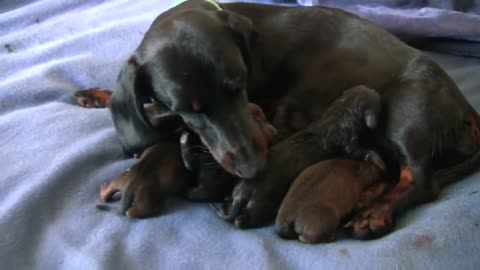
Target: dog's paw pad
(93, 98)
(372, 223)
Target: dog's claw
(364, 224)
(376, 160)
(231, 209)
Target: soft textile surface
(56, 155)
(448, 25)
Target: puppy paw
(107, 191)
(144, 211)
(93, 98)
(369, 195)
(247, 207)
(373, 222)
(309, 224)
(324, 238)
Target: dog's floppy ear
(135, 128)
(243, 30)
(159, 116)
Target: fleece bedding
(56, 154)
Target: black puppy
(337, 133)
(212, 182)
(200, 61)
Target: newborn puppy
(290, 117)
(321, 196)
(213, 183)
(148, 183)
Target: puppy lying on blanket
(148, 183)
(321, 196)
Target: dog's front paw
(107, 192)
(369, 195)
(373, 222)
(248, 207)
(113, 189)
(93, 98)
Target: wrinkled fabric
(450, 26)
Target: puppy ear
(243, 30)
(157, 115)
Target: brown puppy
(321, 196)
(147, 184)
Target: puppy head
(368, 101)
(199, 70)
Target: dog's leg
(416, 131)
(378, 219)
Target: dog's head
(201, 75)
(196, 64)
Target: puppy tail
(451, 174)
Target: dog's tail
(454, 173)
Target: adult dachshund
(201, 60)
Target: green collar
(215, 4)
